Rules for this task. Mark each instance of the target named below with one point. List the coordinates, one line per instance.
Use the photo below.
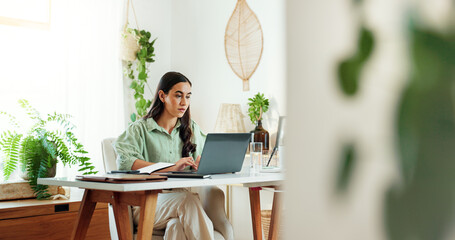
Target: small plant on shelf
(38, 149)
(138, 77)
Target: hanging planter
(137, 52)
(129, 43)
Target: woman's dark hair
(167, 81)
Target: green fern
(33, 114)
(41, 148)
(62, 120)
(37, 165)
(31, 111)
(9, 144)
(63, 151)
(85, 165)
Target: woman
(167, 134)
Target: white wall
(198, 51)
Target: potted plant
(129, 45)
(38, 149)
(258, 105)
(144, 55)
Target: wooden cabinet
(48, 219)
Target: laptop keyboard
(190, 172)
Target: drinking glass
(256, 157)
(270, 160)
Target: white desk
(145, 196)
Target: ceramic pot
(50, 172)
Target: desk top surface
(257, 180)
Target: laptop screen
(223, 153)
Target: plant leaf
(133, 117)
(10, 146)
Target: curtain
(74, 67)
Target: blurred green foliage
(350, 69)
(357, 2)
(346, 167)
(422, 206)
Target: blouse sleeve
(129, 147)
(198, 139)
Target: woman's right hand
(184, 162)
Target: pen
(271, 155)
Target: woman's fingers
(198, 159)
(192, 163)
(188, 161)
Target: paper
(155, 167)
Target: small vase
(261, 135)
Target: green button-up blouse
(146, 140)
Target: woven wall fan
(243, 42)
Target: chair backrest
(109, 155)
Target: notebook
(222, 153)
(121, 178)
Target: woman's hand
(187, 161)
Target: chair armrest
(212, 199)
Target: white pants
(181, 215)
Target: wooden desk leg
(275, 218)
(147, 216)
(122, 218)
(84, 216)
(255, 205)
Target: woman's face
(177, 100)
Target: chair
(212, 199)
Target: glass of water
(256, 157)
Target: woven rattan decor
(243, 42)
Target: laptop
(222, 153)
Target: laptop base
(185, 175)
